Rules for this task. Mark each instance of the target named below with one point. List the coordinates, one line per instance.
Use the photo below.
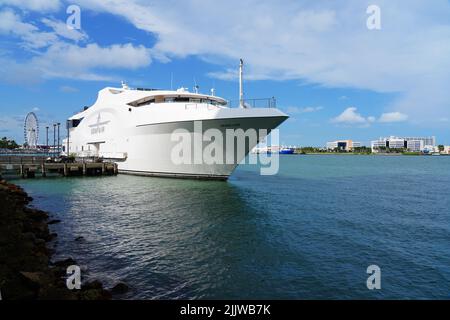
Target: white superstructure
(134, 127)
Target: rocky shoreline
(26, 269)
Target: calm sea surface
(309, 232)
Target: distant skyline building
(414, 144)
(344, 145)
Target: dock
(29, 167)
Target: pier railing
(15, 159)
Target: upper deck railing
(254, 103)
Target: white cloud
(371, 119)
(12, 24)
(114, 56)
(32, 37)
(61, 29)
(350, 116)
(35, 5)
(68, 60)
(54, 57)
(393, 117)
(63, 60)
(322, 42)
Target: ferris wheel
(31, 130)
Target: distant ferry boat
(287, 150)
(134, 126)
(274, 149)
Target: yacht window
(141, 103)
(172, 99)
(182, 99)
(73, 123)
(145, 103)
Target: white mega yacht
(134, 127)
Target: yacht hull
(152, 149)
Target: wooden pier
(29, 167)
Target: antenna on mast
(241, 87)
(196, 87)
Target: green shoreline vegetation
(9, 144)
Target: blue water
(309, 232)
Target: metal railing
(254, 103)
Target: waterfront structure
(414, 144)
(377, 144)
(135, 128)
(343, 145)
(396, 143)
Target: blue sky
(335, 78)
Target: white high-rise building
(411, 143)
(427, 141)
(415, 145)
(396, 143)
(376, 144)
